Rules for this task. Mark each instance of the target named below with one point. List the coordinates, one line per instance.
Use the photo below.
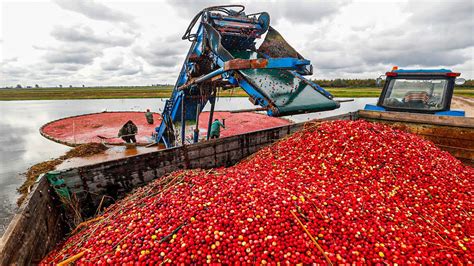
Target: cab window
(422, 94)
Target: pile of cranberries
(336, 192)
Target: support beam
(212, 99)
(196, 130)
(183, 120)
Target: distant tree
(18, 86)
(37, 86)
(351, 83)
(60, 85)
(83, 85)
(70, 86)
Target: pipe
(211, 115)
(196, 130)
(183, 120)
(249, 110)
(203, 78)
(344, 101)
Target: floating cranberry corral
(338, 192)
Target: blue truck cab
(426, 91)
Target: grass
(162, 92)
(375, 92)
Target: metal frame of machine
(223, 54)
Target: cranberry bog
(98, 128)
(432, 189)
(103, 127)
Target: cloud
(80, 46)
(85, 34)
(112, 65)
(441, 12)
(422, 37)
(119, 66)
(12, 70)
(430, 37)
(163, 52)
(67, 54)
(6, 61)
(306, 11)
(94, 10)
(107, 43)
(192, 7)
(130, 70)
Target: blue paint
(372, 107)
(452, 113)
(428, 71)
(286, 63)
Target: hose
(224, 9)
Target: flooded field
(21, 145)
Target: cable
(224, 9)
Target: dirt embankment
(33, 172)
(463, 103)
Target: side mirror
(378, 81)
(459, 81)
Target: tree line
(364, 83)
(329, 83)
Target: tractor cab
(418, 91)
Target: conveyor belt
(288, 92)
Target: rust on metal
(237, 64)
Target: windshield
(423, 94)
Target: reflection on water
(21, 145)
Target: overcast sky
(139, 42)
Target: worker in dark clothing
(216, 129)
(149, 117)
(128, 132)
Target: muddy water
(21, 145)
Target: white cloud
(95, 10)
(85, 34)
(163, 52)
(131, 43)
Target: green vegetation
(368, 83)
(164, 91)
(84, 93)
(97, 93)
